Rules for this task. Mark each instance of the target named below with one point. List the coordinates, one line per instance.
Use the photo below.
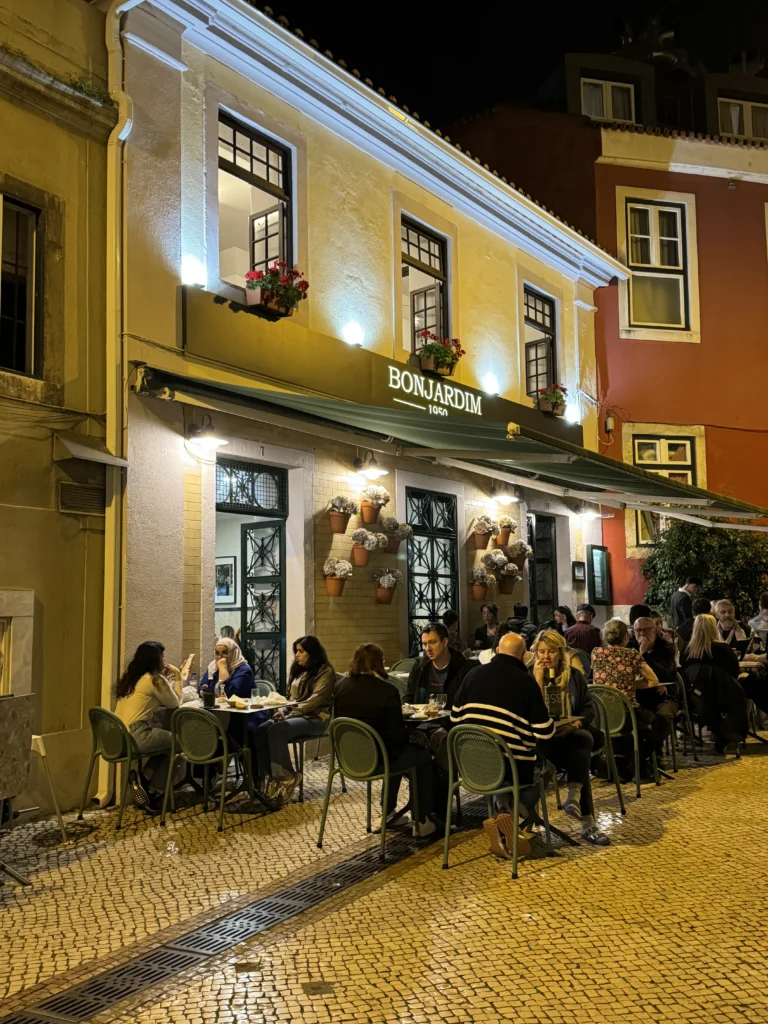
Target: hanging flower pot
(341, 509)
(502, 537)
(386, 580)
(393, 544)
(253, 297)
(339, 521)
(479, 591)
(384, 595)
(482, 540)
(506, 584)
(334, 586)
(556, 409)
(360, 554)
(519, 561)
(369, 512)
(438, 355)
(428, 364)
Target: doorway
(542, 567)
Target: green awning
(511, 447)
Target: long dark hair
(368, 660)
(566, 611)
(317, 658)
(148, 658)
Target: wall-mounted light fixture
(204, 436)
(572, 413)
(352, 333)
(192, 272)
(503, 496)
(370, 469)
(490, 384)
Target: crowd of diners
(497, 680)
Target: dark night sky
(447, 59)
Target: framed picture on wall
(598, 580)
(579, 572)
(225, 591)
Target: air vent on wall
(82, 499)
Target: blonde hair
(614, 633)
(703, 636)
(555, 642)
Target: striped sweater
(502, 696)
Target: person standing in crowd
(711, 671)
(701, 606)
(583, 636)
(562, 619)
(520, 623)
(485, 635)
(659, 654)
(229, 668)
(639, 611)
(729, 629)
(451, 623)
(760, 622)
(365, 694)
(570, 749)
(312, 683)
(440, 671)
(681, 603)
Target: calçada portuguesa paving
(665, 925)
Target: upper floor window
(748, 120)
(607, 101)
(672, 457)
(658, 289)
(424, 282)
(18, 286)
(254, 201)
(540, 334)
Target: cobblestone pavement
(665, 925)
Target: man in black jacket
(681, 603)
(660, 655)
(701, 606)
(520, 623)
(441, 671)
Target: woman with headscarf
(230, 668)
(570, 749)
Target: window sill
(659, 334)
(29, 389)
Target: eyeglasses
(644, 629)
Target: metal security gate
(543, 567)
(433, 560)
(263, 601)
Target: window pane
(669, 253)
(639, 220)
(656, 300)
(678, 451)
(17, 288)
(640, 251)
(731, 118)
(647, 451)
(592, 99)
(668, 224)
(760, 122)
(621, 102)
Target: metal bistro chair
(263, 687)
(477, 760)
(114, 744)
(606, 750)
(363, 757)
(298, 757)
(198, 736)
(684, 716)
(616, 708)
(404, 665)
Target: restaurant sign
(435, 397)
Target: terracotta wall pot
(506, 584)
(368, 512)
(360, 554)
(519, 561)
(479, 591)
(428, 365)
(334, 586)
(384, 595)
(393, 544)
(555, 410)
(339, 521)
(502, 537)
(482, 540)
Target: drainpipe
(114, 533)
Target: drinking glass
(440, 700)
(255, 695)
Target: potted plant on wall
(341, 509)
(494, 561)
(438, 355)
(336, 571)
(480, 583)
(277, 289)
(482, 529)
(552, 399)
(396, 533)
(386, 581)
(374, 498)
(519, 553)
(507, 577)
(506, 525)
(364, 542)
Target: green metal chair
(263, 687)
(114, 744)
(198, 737)
(684, 716)
(363, 757)
(617, 708)
(478, 759)
(404, 665)
(298, 758)
(606, 750)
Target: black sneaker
(140, 795)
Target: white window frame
(747, 107)
(608, 99)
(689, 272)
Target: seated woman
(366, 695)
(485, 635)
(615, 664)
(711, 669)
(571, 747)
(146, 689)
(312, 683)
(562, 619)
(230, 668)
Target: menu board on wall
(598, 580)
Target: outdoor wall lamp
(371, 469)
(204, 436)
(502, 495)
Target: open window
(424, 283)
(540, 337)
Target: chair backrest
(404, 665)
(270, 686)
(359, 748)
(582, 656)
(110, 737)
(198, 733)
(481, 758)
(615, 707)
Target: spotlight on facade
(370, 469)
(572, 413)
(491, 384)
(192, 272)
(352, 333)
(204, 436)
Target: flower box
(339, 521)
(334, 585)
(479, 591)
(429, 365)
(556, 409)
(384, 595)
(253, 298)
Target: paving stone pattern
(665, 925)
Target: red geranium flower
(284, 279)
(303, 285)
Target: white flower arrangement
(390, 525)
(404, 531)
(506, 522)
(484, 524)
(494, 560)
(480, 575)
(387, 578)
(338, 568)
(367, 539)
(347, 506)
(520, 548)
(510, 569)
(378, 496)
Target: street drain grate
(161, 963)
(31, 1017)
(72, 1005)
(220, 935)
